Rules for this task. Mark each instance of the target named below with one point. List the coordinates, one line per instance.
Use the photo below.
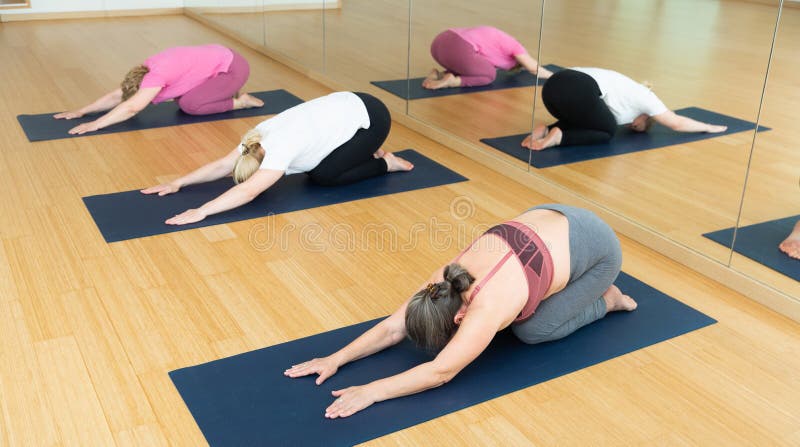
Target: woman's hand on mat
(83, 128)
(324, 367)
(186, 217)
(162, 190)
(68, 115)
(350, 401)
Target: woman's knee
(190, 107)
(531, 332)
(324, 177)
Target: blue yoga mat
(625, 140)
(759, 242)
(412, 88)
(131, 214)
(44, 127)
(246, 400)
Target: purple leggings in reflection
(459, 57)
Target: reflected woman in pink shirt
(471, 57)
(202, 79)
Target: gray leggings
(595, 262)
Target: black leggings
(353, 160)
(573, 98)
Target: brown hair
(250, 160)
(430, 313)
(130, 85)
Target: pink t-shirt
(180, 69)
(498, 47)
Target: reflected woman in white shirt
(589, 104)
(336, 139)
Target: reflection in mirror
(771, 205)
(367, 41)
(710, 55)
(241, 18)
(445, 37)
(294, 29)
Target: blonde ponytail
(250, 160)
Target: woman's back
(507, 289)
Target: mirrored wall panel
(668, 73)
(767, 245)
(472, 69)
(239, 17)
(294, 29)
(366, 43)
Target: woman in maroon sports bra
(545, 273)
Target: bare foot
(616, 300)
(245, 101)
(716, 129)
(396, 163)
(538, 133)
(791, 245)
(379, 153)
(551, 139)
(447, 80)
(434, 75)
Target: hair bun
(457, 277)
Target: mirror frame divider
(758, 291)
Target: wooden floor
(89, 331)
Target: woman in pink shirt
(202, 79)
(471, 57)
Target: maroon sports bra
(534, 258)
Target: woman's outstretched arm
(105, 102)
(235, 197)
(532, 65)
(388, 332)
(212, 171)
(473, 336)
(121, 112)
(680, 123)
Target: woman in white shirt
(336, 139)
(589, 104)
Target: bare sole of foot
(791, 245)
(245, 101)
(395, 163)
(447, 80)
(538, 133)
(434, 75)
(379, 153)
(553, 138)
(616, 300)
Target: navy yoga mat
(625, 141)
(44, 127)
(412, 88)
(759, 242)
(246, 400)
(131, 214)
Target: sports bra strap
(489, 276)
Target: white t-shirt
(625, 97)
(298, 139)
